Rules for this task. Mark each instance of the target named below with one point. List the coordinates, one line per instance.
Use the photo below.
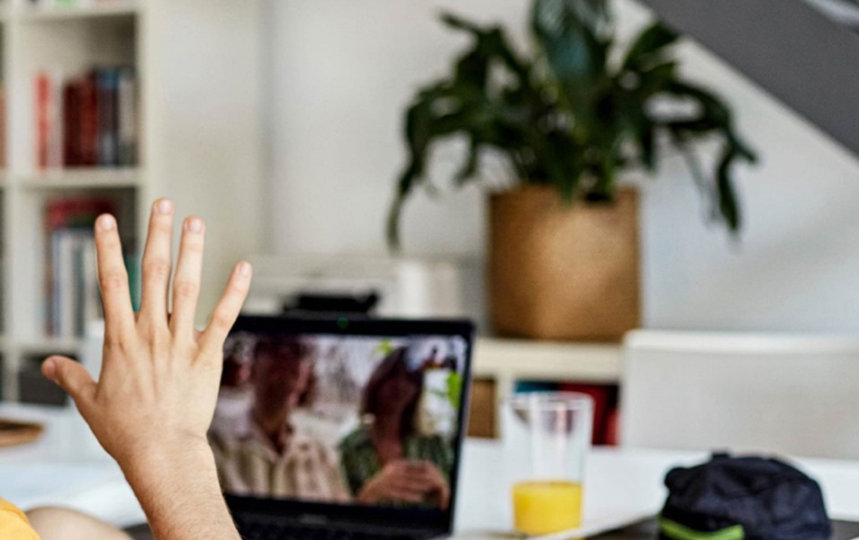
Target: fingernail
(245, 269)
(164, 206)
(49, 369)
(106, 222)
(195, 225)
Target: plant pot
(563, 272)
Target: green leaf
(570, 32)
(728, 205)
(650, 43)
(655, 79)
(742, 150)
(646, 141)
(567, 116)
(712, 108)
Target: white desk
(65, 467)
(622, 485)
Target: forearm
(177, 486)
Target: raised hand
(154, 400)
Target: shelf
(82, 178)
(98, 8)
(510, 360)
(49, 345)
(68, 41)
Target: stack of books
(71, 276)
(88, 120)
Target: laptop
(338, 428)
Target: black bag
(747, 498)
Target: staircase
(804, 52)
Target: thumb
(70, 375)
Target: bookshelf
(130, 177)
(507, 361)
(197, 66)
(59, 12)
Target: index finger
(113, 278)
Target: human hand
(159, 380)
(434, 477)
(405, 481)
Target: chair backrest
(741, 392)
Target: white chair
(741, 392)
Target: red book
(604, 398)
(43, 120)
(88, 121)
(71, 124)
(612, 427)
(75, 212)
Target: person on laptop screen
(263, 452)
(385, 459)
(354, 419)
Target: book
(92, 121)
(127, 119)
(71, 276)
(91, 305)
(55, 134)
(66, 244)
(71, 124)
(43, 118)
(88, 120)
(49, 122)
(107, 86)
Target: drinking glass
(546, 439)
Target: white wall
(797, 265)
(343, 70)
(206, 146)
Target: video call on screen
(339, 419)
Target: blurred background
(342, 73)
(281, 122)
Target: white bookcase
(199, 68)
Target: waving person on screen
(386, 460)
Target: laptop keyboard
(251, 529)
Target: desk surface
(66, 467)
(621, 486)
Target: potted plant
(568, 118)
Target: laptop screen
(341, 413)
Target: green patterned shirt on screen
(360, 459)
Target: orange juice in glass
(546, 437)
